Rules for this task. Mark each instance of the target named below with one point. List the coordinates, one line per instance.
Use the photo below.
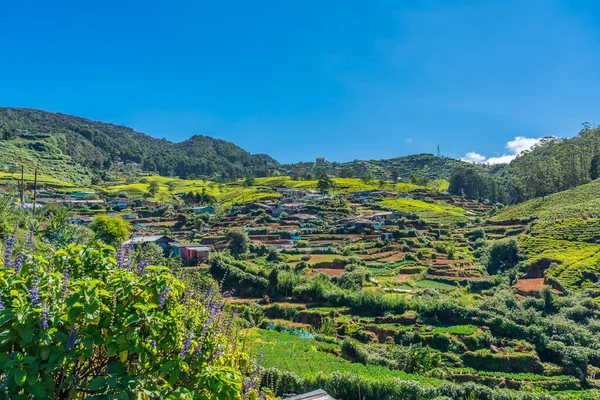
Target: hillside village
(415, 276)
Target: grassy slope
(306, 357)
(42, 179)
(44, 153)
(430, 212)
(567, 231)
(582, 201)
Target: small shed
(314, 395)
(163, 241)
(190, 252)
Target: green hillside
(75, 148)
(582, 201)
(425, 167)
(567, 231)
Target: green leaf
(98, 383)
(38, 390)
(132, 319)
(45, 353)
(20, 377)
(32, 374)
(26, 333)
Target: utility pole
(34, 190)
(438, 150)
(22, 183)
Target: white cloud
(473, 157)
(515, 147)
(521, 144)
(409, 140)
(505, 159)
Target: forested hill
(82, 146)
(424, 167)
(552, 166)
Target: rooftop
(314, 395)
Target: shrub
(110, 230)
(82, 324)
(502, 255)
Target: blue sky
(305, 79)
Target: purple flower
(187, 343)
(213, 311)
(153, 344)
(121, 257)
(1, 304)
(72, 338)
(18, 262)
(128, 260)
(142, 266)
(229, 294)
(249, 384)
(30, 246)
(260, 358)
(31, 241)
(218, 353)
(163, 297)
(44, 317)
(34, 293)
(10, 247)
(65, 283)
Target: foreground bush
(84, 323)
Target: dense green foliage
(416, 168)
(112, 230)
(81, 323)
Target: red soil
(327, 271)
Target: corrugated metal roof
(147, 239)
(314, 395)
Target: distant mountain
(76, 149)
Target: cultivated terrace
(364, 288)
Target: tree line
(551, 166)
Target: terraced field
(429, 212)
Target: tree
(367, 176)
(325, 184)
(199, 222)
(249, 181)
(502, 255)
(110, 229)
(395, 175)
(239, 243)
(468, 182)
(6, 132)
(172, 185)
(153, 188)
(595, 167)
(346, 172)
